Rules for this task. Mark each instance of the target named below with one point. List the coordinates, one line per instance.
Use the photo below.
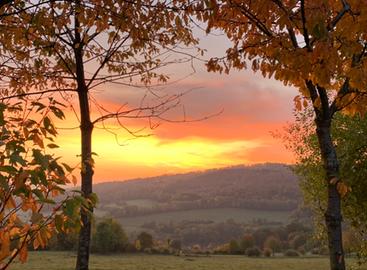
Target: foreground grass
(66, 261)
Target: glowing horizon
(252, 106)
(240, 135)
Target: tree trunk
(333, 218)
(86, 128)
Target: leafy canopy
(323, 42)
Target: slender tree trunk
(86, 128)
(333, 217)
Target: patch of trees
(201, 237)
(209, 235)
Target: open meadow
(131, 224)
(66, 261)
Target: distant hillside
(268, 187)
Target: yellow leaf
(10, 204)
(297, 103)
(14, 231)
(23, 254)
(19, 180)
(305, 103)
(74, 180)
(55, 193)
(342, 189)
(36, 244)
(317, 103)
(40, 239)
(5, 245)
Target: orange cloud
(252, 108)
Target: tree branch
(252, 17)
(346, 8)
(305, 31)
(37, 93)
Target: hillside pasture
(131, 224)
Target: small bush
(301, 250)
(253, 252)
(291, 253)
(267, 252)
(324, 250)
(131, 248)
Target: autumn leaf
(5, 245)
(23, 254)
(297, 103)
(333, 180)
(342, 188)
(38, 141)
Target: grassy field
(216, 215)
(66, 261)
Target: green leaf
(67, 167)
(319, 31)
(4, 182)
(38, 193)
(40, 159)
(70, 207)
(59, 222)
(49, 201)
(8, 169)
(39, 105)
(57, 112)
(93, 198)
(2, 109)
(52, 145)
(16, 158)
(46, 122)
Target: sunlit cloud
(251, 108)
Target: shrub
(301, 250)
(253, 252)
(234, 247)
(267, 252)
(246, 242)
(109, 237)
(291, 253)
(146, 240)
(131, 248)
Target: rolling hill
(242, 193)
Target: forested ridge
(260, 187)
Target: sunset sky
(251, 108)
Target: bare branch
(37, 93)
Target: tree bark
(86, 128)
(333, 217)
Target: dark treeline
(294, 239)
